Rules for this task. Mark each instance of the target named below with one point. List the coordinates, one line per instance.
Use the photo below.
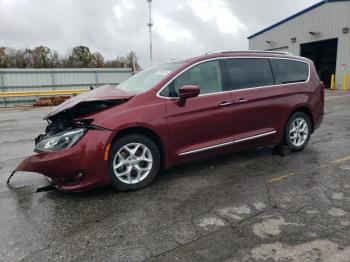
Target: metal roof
(295, 15)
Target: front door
(204, 122)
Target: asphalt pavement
(247, 206)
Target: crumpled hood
(104, 93)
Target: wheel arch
(307, 111)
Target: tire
(297, 140)
(134, 162)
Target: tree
(119, 62)
(98, 60)
(64, 63)
(131, 61)
(24, 58)
(3, 57)
(54, 59)
(10, 58)
(80, 57)
(41, 57)
(28, 58)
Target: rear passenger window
(289, 71)
(247, 73)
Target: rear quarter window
(289, 71)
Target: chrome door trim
(236, 90)
(254, 137)
(227, 143)
(206, 148)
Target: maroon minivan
(178, 111)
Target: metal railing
(42, 93)
(25, 86)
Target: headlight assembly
(60, 141)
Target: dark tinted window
(206, 75)
(289, 71)
(247, 72)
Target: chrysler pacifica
(178, 111)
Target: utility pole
(150, 24)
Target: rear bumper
(318, 122)
(79, 168)
(318, 117)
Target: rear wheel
(297, 132)
(133, 162)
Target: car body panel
(260, 109)
(107, 92)
(201, 122)
(86, 157)
(201, 128)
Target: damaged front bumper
(79, 168)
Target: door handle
(225, 103)
(242, 100)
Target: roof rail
(249, 51)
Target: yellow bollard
(332, 81)
(345, 82)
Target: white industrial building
(320, 32)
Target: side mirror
(186, 92)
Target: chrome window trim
(249, 51)
(227, 143)
(237, 90)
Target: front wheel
(297, 132)
(134, 162)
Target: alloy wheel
(132, 163)
(299, 131)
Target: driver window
(206, 75)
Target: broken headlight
(60, 141)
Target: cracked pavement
(247, 206)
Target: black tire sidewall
(127, 139)
(287, 140)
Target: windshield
(148, 78)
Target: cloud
(217, 11)
(114, 27)
(123, 10)
(171, 31)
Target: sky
(182, 28)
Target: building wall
(22, 80)
(329, 19)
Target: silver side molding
(227, 143)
